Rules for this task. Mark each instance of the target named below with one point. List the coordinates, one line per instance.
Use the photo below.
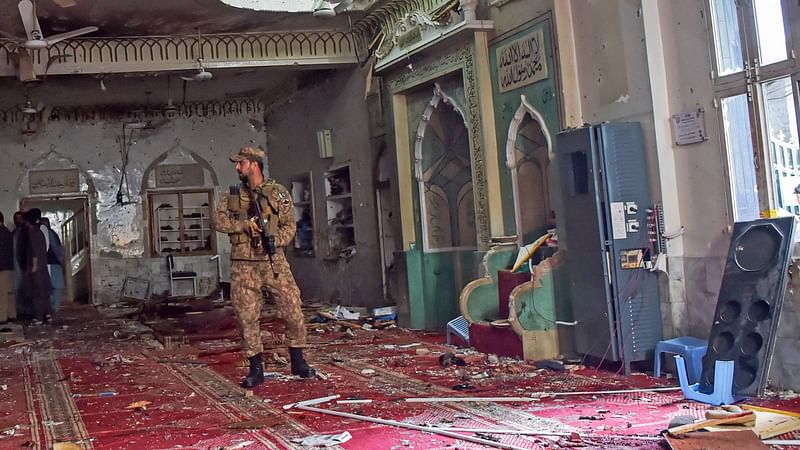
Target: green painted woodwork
(435, 281)
(482, 303)
(540, 95)
(536, 307)
(435, 278)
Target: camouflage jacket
(277, 207)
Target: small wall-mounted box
(325, 143)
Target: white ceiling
(153, 88)
(159, 18)
(167, 17)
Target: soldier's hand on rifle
(252, 228)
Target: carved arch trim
(524, 109)
(438, 65)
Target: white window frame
(749, 81)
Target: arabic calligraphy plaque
(53, 181)
(179, 175)
(522, 61)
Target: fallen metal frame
(309, 405)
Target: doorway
(69, 218)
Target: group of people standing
(31, 268)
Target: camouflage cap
(251, 153)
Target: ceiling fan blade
(29, 20)
(70, 34)
(65, 3)
(343, 6)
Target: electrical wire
(627, 293)
(125, 150)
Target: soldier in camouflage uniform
(252, 267)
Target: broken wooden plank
(743, 419)
(719, 440)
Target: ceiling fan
(324, 8)
(35, 116)
(29, 109)
(201, 75)
(35, 37)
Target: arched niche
(529, 151)
(177, 155)
(443, 169)
(56, 161)
(179, 172)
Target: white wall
(119, 243)
(615, 85)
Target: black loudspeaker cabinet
(749, 304)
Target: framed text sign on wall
(179, 175)
(522, 61)
(53, 181)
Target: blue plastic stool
(460, 327)
(723, 384)
(691, 348)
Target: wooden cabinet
(181, 223)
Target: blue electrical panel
(610, 233)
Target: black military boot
(256, 374)
(299, 365)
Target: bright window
(756, 83)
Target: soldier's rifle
(267, 240)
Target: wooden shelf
(189, 218)
(339, 200)
(349, 195)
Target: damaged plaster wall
(702, 176)
(119, 241)
(614, 84)
(336, 104)
(508, 16)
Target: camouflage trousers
(247, 278)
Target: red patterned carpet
(79, 381)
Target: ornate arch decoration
(56, 160)
(177, 148)
(439, 96)
(524, 109)
(428, 69)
